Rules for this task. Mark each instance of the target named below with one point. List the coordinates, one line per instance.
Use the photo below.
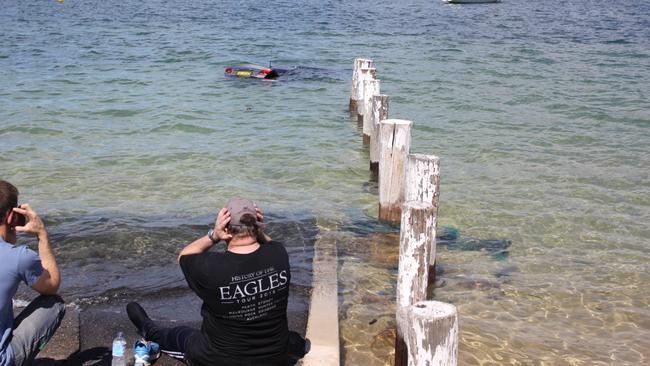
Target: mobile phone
(17, 219)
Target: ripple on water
(31, 131)
(183, 127)
(120, 113)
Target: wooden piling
(358, 63)
(394, 142)
(417, 226)
(379, 113)
(432, 334)
(365, 73)
(370, 89)
(423, 184)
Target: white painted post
(423, 184)
(358, 63)
(365, 73)
(379, 113)
(417, 225)
(370, 89)
(415, 236)
(395, 142)
(432, 334)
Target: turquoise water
(120, 128)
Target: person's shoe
(145, 353)
(307, 346)
(297, 346)
(137, 315)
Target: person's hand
(260, 220)
(260, 217)
(34, 223)
(220, 224)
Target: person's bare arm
(203, 244)
(50, 280)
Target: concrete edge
(323, 320)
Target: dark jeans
(34, 327)
(174, 342)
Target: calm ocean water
(118, 125)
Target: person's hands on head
(220, 231)
(34, 225)
(260, 220)
(260, 217)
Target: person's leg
(172, 341)
(34, 327)
(297, 347)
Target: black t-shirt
(244, 304)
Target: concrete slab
(85, 336)
(323, 321)
(102, 312)
(65, 341)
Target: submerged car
(254, 71)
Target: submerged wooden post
(379, 113)
(370, 89)
(432, 334)
(358, 63)
(365, 73)
(394, 142)
(423, 184)
(417, 226)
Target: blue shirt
(17, 264)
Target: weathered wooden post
(365, 73)
(379, 113)
(358, 63)
(423, 184)
(432, 334)
(370, 89)
(412, 277)
(394, 142)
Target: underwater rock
(384, 339)
(473, 283)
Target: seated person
(23, 337)
(244, 291)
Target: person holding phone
(244, 291)
(21, 338)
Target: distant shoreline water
(116, 120)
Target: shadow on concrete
(98, 356)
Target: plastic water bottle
(119, 350)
